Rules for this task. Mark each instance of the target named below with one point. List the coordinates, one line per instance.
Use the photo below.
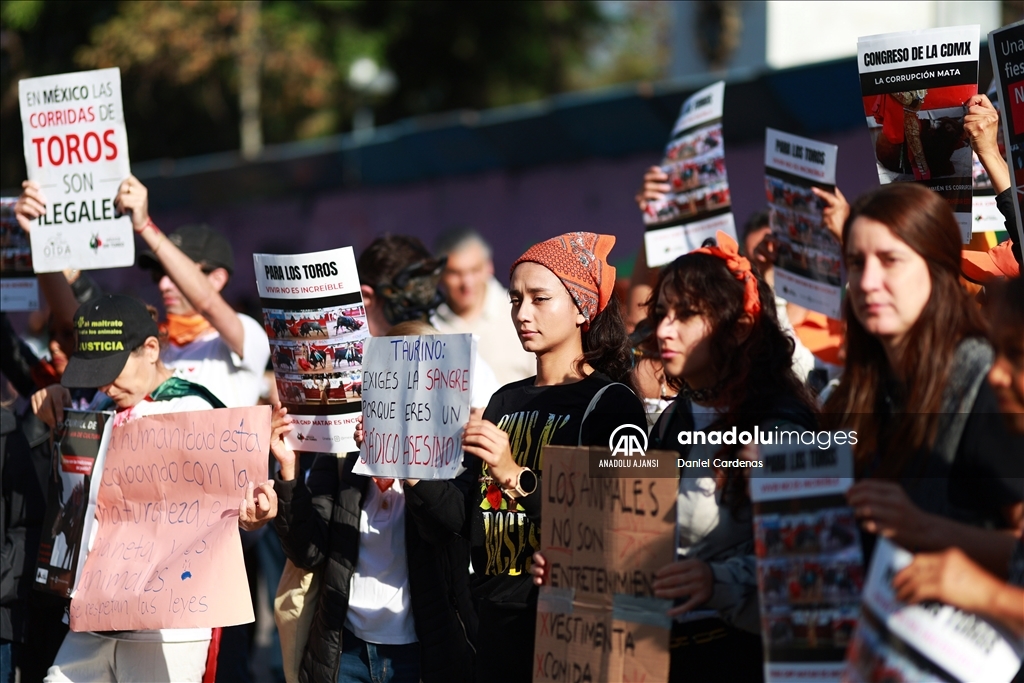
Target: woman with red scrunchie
(723, 349)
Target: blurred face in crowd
(465, 278)
(889, 281)
(751, 242)
(544, 314)
(139, 376)
(174, 301)
(684, 341)
(1007, 375)
(58, 342)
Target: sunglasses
(157, 274)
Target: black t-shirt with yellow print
(506, 532)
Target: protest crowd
(407, 577)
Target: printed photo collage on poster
(811, 574)
(19, 290)
(915, 86)
(698, 203)
(317, 354)
(803, 245)
(695, 165)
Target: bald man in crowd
(475, 302)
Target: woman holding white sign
(565, 313)
(119, 353)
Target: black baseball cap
(108, 330)
(200, 243)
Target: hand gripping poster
(167, 552)
(314, 316)
(808, 266)
(416, 404)
(809, 565)
(79, 452)
(1006, 46)
(76, 148)
(927, 642)
(915, 86)
(699, 203)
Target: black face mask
(413, 294)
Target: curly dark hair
(606, 346)
(756, 378)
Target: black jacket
(24, 464)
(318, 523)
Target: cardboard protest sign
(1006, 45)
(699, 203)
(416, 401)
(19, 290)
(809, 565)
(167, 552)
(808, 266)
(314, 316)
(915, 85)
(926, 642)
(76, 148)
(79, 451)
(604, 538)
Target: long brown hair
(923, 221)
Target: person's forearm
(196, 287)
(62, 302)
(998, 171)
(990, 549)
(1006, 606)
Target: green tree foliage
(180, 61)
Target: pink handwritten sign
(167, 552)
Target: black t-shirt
(506, 533)
(987, 473)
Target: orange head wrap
(728, 250)
(580, 260)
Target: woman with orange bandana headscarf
(565, 314)
(723, 349)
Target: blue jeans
(363, 662)
(272, 565)
(7, 661)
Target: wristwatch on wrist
(526, 483)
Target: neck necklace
(700, 395)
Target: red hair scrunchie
(729, 251)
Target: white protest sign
(808, 266)
(416, 400)
(76, 148)
(930, 641)
(809, 563)
(315, 320)
(699, 202)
